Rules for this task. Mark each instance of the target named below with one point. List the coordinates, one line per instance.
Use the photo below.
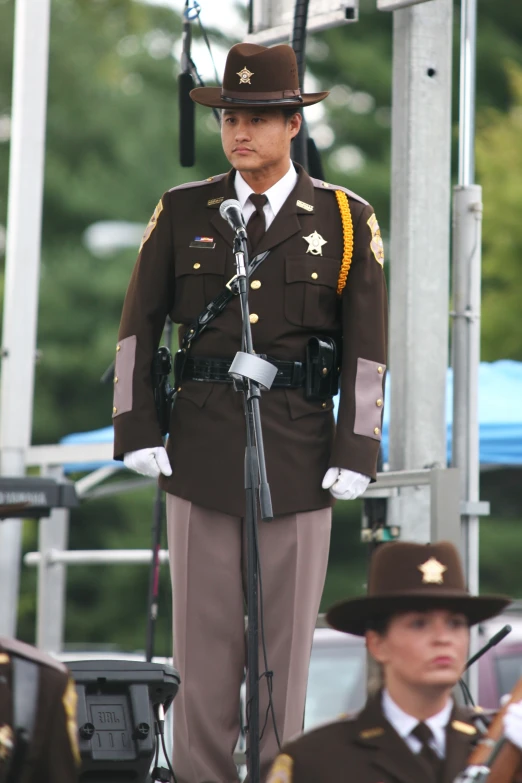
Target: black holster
(322, 369)
(163, 391)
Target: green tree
(499, 162)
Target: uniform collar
(285, 224)
(276, 195)
(403, 723)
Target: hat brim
(211, 97)
(352, 616)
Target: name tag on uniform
(203, 242)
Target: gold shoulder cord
(346, 219)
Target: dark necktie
(424, 734)
(256, 225)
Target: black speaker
(117, 706)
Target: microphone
(230, 210)
(492, 642)
(186, 107)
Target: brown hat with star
(413, 577)
(258, 76)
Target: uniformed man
(323, 278)
(416, 618)
(38, 733)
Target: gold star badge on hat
(432, 571)
(244, 76)
(315, 243)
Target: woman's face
(422, 648)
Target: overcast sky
(218, 14)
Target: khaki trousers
(208, 570)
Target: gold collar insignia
(464, 728)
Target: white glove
(148, 462)
(345, 484)
(513, 724)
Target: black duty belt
(290, 375)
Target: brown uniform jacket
(367, 749)
(295, 300)
(53, 753)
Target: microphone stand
(251, 374)
(157, 525)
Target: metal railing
(53, 556)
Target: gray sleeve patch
(123, 375)
(369, 398)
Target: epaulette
(22, 650)
(199, 183)
(318, 183)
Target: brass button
(115, 410)
(314, 275)
(197, 265)
(323, 405)
(380, 370)
(115, 379)
(255, 284)
(325, 371)
(378, 403)
(376, 431)
(209, 179)
(254, 318)
(118, 347)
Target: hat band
(285, 96)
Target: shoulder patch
(151, 225)
(376, 244)
(282, 769)
(319, 183)
(6, 742)
(69, 702)
(199, 183)
(23, 650)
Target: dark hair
(289, 111)
(380, 623)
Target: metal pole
(419, 256)
(468, 48)
(467, 237)
(53, 535)
(24, 217)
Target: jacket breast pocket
(311, 291)
(200, 276)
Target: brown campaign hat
(413, 577)
(258, 76)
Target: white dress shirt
(404, 725)
(276, 195)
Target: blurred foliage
(112, 150)
(499, 163)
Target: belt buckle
(229, 284)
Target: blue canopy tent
(500, 416)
